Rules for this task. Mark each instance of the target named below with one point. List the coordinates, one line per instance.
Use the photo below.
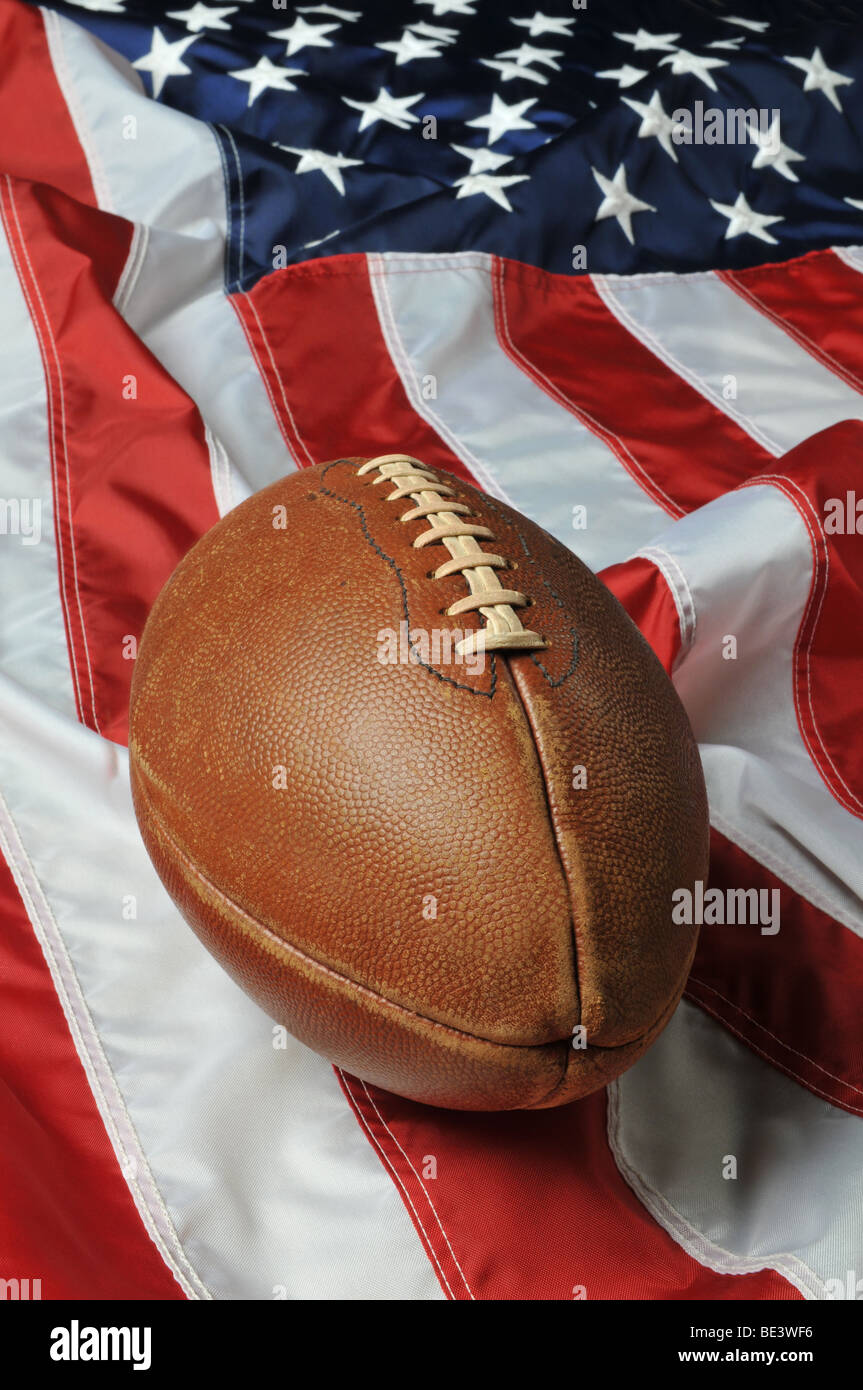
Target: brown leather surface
(553, 905)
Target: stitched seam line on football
(246, 922)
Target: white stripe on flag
(33, 646)
(737, 357)
(698, 1097)
(438, 322)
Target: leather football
(416, 780)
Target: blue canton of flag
(557, 139)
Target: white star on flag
(349, 16)
(502, 118)
(642, 41)
(302, 35)
(410, 46)
(266, 76)
(626, 76)
(544, 24)
(444, 7)
(744, 220)
(654, 121)
(434, 31)
(330, 165)
(618, 202)
(772, 153)
(102, 6)
(758, 26)
(820, 78)
(492, 185)
(386, 107)
(482, 159)
(164, 60)
(509, 71)
(203, 17)
(683, 62)
(526, 53)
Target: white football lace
(503, 629)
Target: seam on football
(254, 927)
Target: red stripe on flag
(675, 444)
(131, 472)
(66, 1214)
(638, 585)
(794, 998)
(315, 333)
(531, 1205)
(817, 299)
(37, 134)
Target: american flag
(603, 262)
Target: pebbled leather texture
(391, 858)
